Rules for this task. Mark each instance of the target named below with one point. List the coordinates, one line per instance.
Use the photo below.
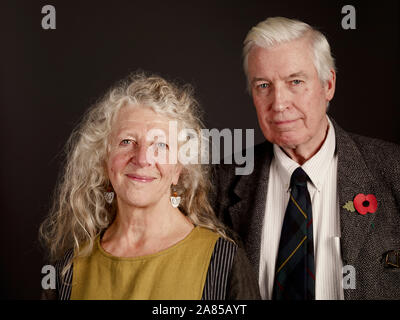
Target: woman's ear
(175, 177)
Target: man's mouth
(283, 122)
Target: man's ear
(330, 86)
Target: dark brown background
(49, 77)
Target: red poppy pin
(362, 203)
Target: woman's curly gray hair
(79, 211)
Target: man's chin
(289, 142)
(288, 145)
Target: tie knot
(299, 178)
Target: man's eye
(263, 85)
(296, 82)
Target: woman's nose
(141, 156)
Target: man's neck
(303, 153)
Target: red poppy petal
(358, 203)
(362, 210)
(359, 199)
(373, 203)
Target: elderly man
(321, 205)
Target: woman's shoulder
(232, 274)
(223, 247)
(65, 258)
(204, 232)
(63, 280)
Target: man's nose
(279, 98)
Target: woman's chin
(137, 202)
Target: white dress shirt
(322, 171)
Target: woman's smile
(140, 178)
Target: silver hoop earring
(175, 200)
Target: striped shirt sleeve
(216, 284)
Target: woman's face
(138, 161)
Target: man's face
(288, 95)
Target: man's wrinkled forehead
(288, 59)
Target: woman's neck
(139, 231)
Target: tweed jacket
(368, 242)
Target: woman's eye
(161, 145)
(126, 142)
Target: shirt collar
(315, 167)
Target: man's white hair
(277, 30)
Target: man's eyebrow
(258, 79)
(300, 74)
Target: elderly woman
(130, 219)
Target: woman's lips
(136, 177)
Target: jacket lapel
(247, 213)
(353, 178)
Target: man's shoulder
(382, 158)
(369, 148)
(373, 148)
(369, 142)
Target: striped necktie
(294, 268)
